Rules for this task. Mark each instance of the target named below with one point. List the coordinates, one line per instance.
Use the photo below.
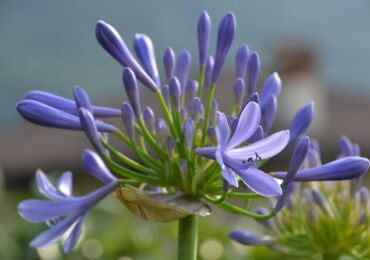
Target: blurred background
(321, 50)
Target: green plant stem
(188, 238)
(207, 114)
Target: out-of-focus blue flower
(301, 121)
(240, 160)
(225, 36)
(249, 238)
(62, 211)
(253, 71)
(344, 168)
(145, 51)
(132, 90)
(204, 33)
(169, 60)
(241, 61)
(42, 114)
(111, 41)
(183, 67)
(68, 105)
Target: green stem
(188, 238)
(207, 114)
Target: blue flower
(240, 160)
(348, 166)
(63, 211)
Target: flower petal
(94, 165)
(248, 123)
(68, 105)
(341, 169)
(249, 238)
(208, 152)
(65, 183)
(35, 210)
(265, 148)
(46, 188)
(53, 234)
(42, 114)
(222, 130)
(260, 182)
(74, 236)
(229, 176)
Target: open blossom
(240, 160)
(64, 211)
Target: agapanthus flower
(189, 154)
(63, 211)
(240, 160)
(325, 218)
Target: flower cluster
(320, 218)
(189, 155)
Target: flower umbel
(185, 157)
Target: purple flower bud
(253, 98)
(89, 127)
(249, 238)
(68, 105)
(241, 60)
(272, 86)
(225, 37)
(346, 147)
(161, 130)
(183, 67)
(239, 90)
(341, 169)
(320, 201)
(170, 145)
(253, 71)
(94, 165)
(175, 92)
(268, 112)
(166, 94)
(132, 90)
(128, 119)
(204, 32)
(145, 51)
(213, 115)
(82, 99)
(282, 200)
(301, 122)
(212, 134)
(196, 109)
(169, 60)
(149, 118)
(299, 154)
(189, 128)
(191, 89)
(258, 135)
(183, 114)
(112, 42)
(42, 114)
(208, 72)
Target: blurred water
(50, 45)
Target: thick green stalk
(188, 238)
